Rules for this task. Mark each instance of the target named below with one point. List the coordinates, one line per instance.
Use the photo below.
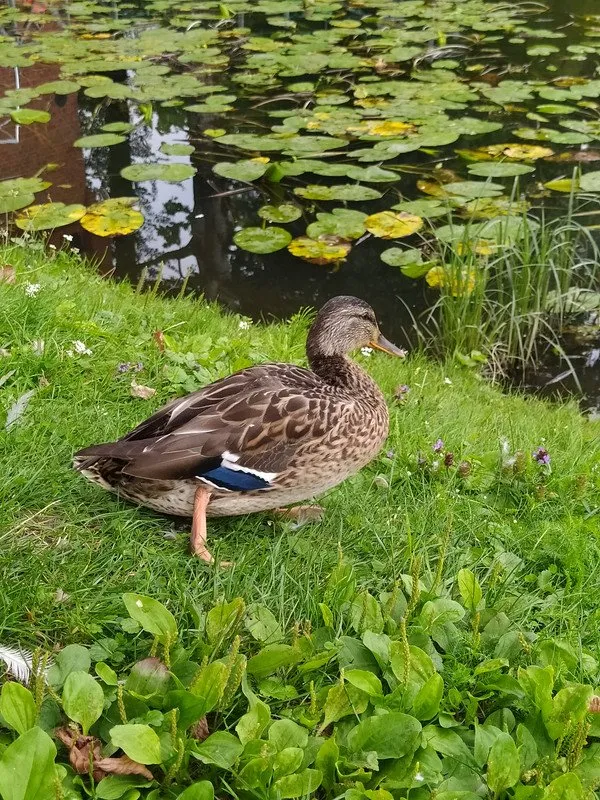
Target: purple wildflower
(390, 454)
(541, 455)
(124, 367)
(438, 446)
(401, 391)
(139, 366)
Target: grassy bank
(69, 550)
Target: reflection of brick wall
(50, 143)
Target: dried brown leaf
(7, 274)
(143, 392)
(123, 765)
(84, 752)
(159, 338)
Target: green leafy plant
(425, 688)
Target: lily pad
(326, 250)
(116, 217)
(19, 192)
(118, 127)
(176, 149)
(172, 173)
(590, 182)
(27, 116)
(423, 208)
(342, 222)
(499, 169)
(58, 87)
(393, 225)
(566, 185)
(48, 216)
(472, 189)
(410, 261)
(286, 212)
(245, 170)
(344, 191)
(99, 140)
(262, 240)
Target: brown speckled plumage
(305, 430)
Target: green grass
(60, 534)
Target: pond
(249, 148)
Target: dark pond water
(189, 227)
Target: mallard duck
(265, 437)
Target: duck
(266, 437)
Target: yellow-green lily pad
(323, 251)
(47, 216)
(393, 225)
(116, 217)
(27, 116)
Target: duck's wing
(239, 433)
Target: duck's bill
(387, 347)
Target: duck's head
(345, 324)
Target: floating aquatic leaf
(410, 261)
(48, 216)
(115, 217)
(474, 189)
(246, 170)
(347, 191)
(522, 152)
(172, 173)
(286, 212)
(19, 192)
(393, 225)
(542, 50)
(27, 116)
(489, 207)
(262, 240)
(326, 250)
(99, 140)
(176, 149)
(567, 185)
(499, 169)
(118, 127)
(214, 133)
(342, 222)
(423, 208)
(590, 182)
(371, 174)
(58, 87)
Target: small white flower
(31, 289)
(448, 381)
(52, 246)
(67, 237)
(419, 776)
(80, 349)
(366, 351)
(243, 324)
(75, 250)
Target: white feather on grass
(18, 662)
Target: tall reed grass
(509, 299)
